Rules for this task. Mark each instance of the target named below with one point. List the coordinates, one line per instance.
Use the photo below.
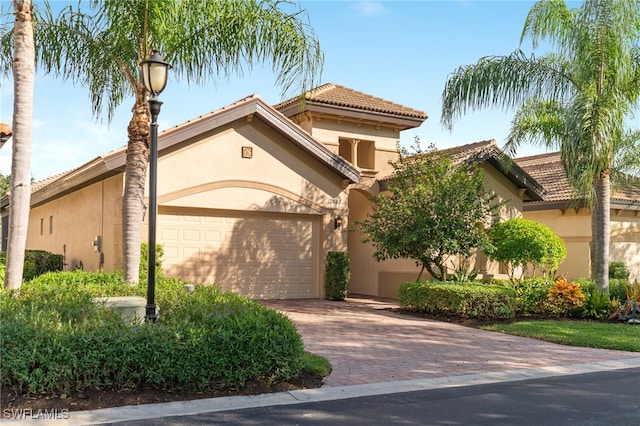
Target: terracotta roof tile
(548, 171)
(474, 152)
(35, 186)
(5, 129)
(334, 94)
(478, 152)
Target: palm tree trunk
(133, 208)
(23, 83)
(601, 216)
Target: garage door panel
(258, 255)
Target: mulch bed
(93, 399)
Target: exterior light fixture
(338, 221)
(154, 73)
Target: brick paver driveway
(366, 343)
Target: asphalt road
(603, 398)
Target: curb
(185, 408)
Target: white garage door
(259, 255)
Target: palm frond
(547, 20)
(504, 82)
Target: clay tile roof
(35, 186)
(474, 153)
(548, 170)
(5, 133)
(5, 129)
(334, 94)
(478, 152)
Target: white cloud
(368, 7)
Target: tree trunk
(23, 84)
(133, 208)
(601, 225)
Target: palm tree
(20, 187)
(202, 39)
(576, 99)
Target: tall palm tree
(23, 88)
(576, 99)
(101, 49)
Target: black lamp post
(154, 76)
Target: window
(366, 155)
(41, 226)
(358, 152)
(344, 150)
(50, 224)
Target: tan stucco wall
(280, 177)
(574, 227)
(625, 241)
(364, 269)
(329, 130)
(76, 219)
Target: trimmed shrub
(38, 262)
(619, 270)
(532, 295)
(54, 339)
(526, 243)
(144, 261)
(337, 274)
(465, 300)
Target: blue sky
(402, 51)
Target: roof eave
(520, 178)
(403, 122)
(91, 172)
(171, 137)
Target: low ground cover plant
(54, 339)
(466, 300)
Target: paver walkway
(366, 343)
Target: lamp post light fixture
(154, 76)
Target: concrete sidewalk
(375, 351)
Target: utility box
(131, 308)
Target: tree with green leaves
(102, 46)
(23, 68)
(522, 244)
(435, 210)
(577, 99)
(5, 182)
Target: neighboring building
(572, 221)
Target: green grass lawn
(616, 336)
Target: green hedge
(467, 300)
(337, 274)
(54, 339)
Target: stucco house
(253, 196)
(572, 221)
